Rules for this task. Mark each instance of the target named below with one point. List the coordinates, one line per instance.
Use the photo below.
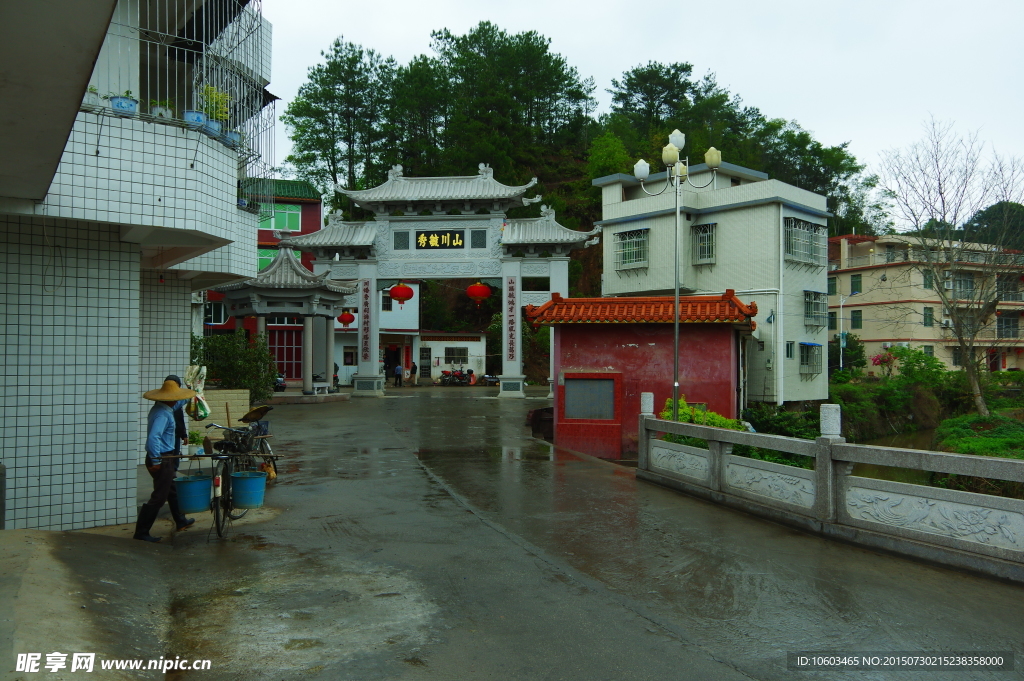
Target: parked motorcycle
(279, 385)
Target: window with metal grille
(456, 355)
(929, 279)
(401, 241)
(857, 319)
(815, 308)
(1008, 287)
(806, 242)
(928, 350)
(831, 286)
(1008, 326)
(214, 313)
(703, 250)
(929, 316)
(810, 358)
(790, 349)
(963, 285)
(631, 249)
(833, 321)
(385, 302)
(478, 238)
(856, 283)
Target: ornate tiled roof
(336, 235)
(286, 272)
(726, 308)
(542, 230)
(401, 189)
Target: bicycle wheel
(220, 512)
(266, 453)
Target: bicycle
(236, 446)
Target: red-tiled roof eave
(727, 308)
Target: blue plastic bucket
(247, 488)
(194, 493)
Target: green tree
(854, 356)
(607, 156)
(335, 121)
(237, 362)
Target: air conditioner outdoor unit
(886, 346)
(833, 267)
(948, 285)
(947, 274)
(903, 344)
(947, 323)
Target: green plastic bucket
(194, 493)
(247, 489)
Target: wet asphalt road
(428, 536)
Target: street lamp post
(677, 172)
(842, 341)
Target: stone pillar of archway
(512, 378)
(368, 381)
(261, 325)
(307, 355)
(558, 282)
(329, 352)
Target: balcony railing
(989, 333)
(203, 66)
(917, 255)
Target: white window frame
(456, 355)
(806, 242)
(283, 209)
(815, 308)
(703, 243)
(213, 311)
(265, 253)
(632, 249)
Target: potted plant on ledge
(161, 108)
(215, 106)
(123, 104)
(195, 441)
(92, 100)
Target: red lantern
(346, 318)
(478, 292)
(401, 293)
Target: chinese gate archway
(444, 228)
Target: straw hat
(170, 392)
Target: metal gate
(424, 364)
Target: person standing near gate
(162, 441)
(414, 374)
(398, 375)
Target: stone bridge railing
(961, 529)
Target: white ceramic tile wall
(70, 378)
(134, 172)
(165, 325)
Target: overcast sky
(864, 71)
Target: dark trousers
(398, 380)
(163, 485)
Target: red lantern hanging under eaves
(401, 293)
(346, 318)
(478, 292)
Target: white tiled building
(109, 223)
(761, 237)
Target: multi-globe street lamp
(677, 172)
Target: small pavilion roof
(286, 272)
(400, 189)
(336, 235)
(542, 230)
(726, 308)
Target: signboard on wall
(441, 239)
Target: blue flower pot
(195, 119)
(212, 128)
(124, 106)
(233, 138)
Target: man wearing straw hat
(162, 441)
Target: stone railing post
(826, 473)
(642, 444)
(717, 463)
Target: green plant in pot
(92, 99)
(215, 106)
(195, 441)
(161, 108)
(123, 104)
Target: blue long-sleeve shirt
(160, 434)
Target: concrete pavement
(427, 536)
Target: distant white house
(763, 238)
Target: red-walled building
(297, 210)
(609, 350)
